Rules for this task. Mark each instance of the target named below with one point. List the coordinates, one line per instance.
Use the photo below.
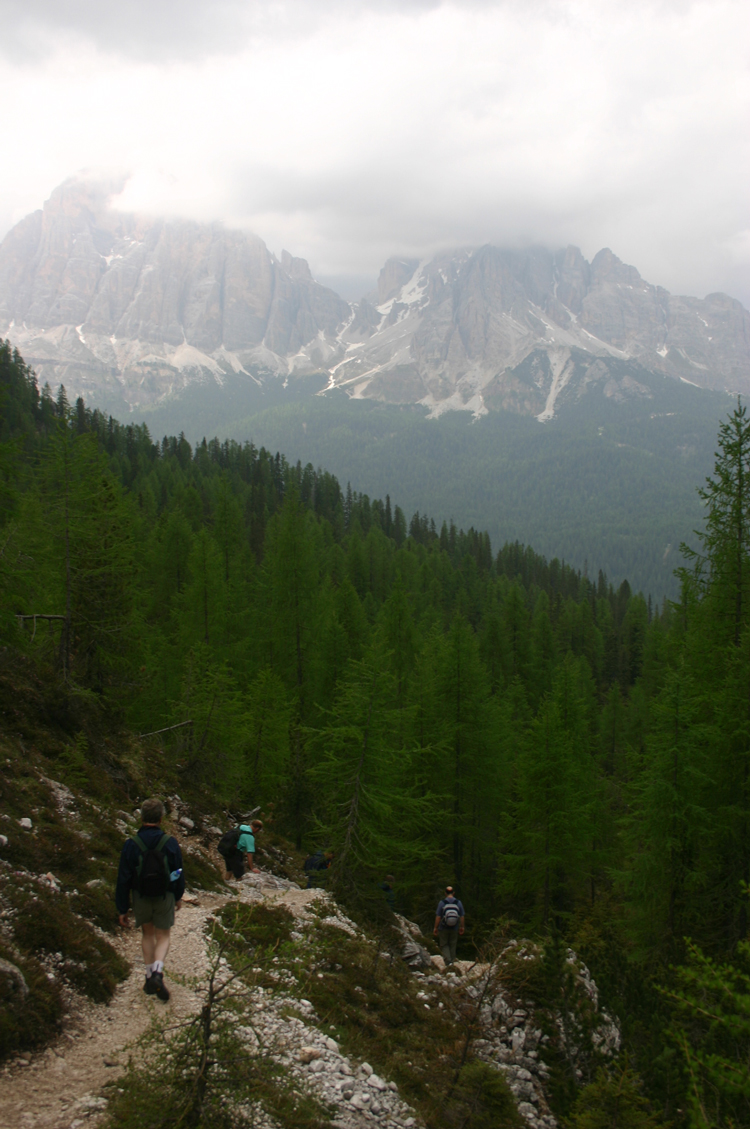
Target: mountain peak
(126, 308)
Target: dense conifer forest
(608, 482)
(574, 759)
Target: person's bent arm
(250, 862)
(437, 926)
(461, 925)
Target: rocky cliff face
(136, 308)
(126, 309)
(492, 328)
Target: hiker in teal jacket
(243, 858)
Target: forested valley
(574, 759)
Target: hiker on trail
(449, 922)
(151, 867)
(238, 849)
(388, 892)
(315, 867)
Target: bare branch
(168, 729)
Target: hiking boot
(150, 986)
(159, 989)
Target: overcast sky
(350, 131)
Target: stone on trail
(16, 983)
(25, 823)
(307, 1054)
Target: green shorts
(157, 911)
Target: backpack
(152, 868)
(315, 862)
(451, 915)
(228, 843)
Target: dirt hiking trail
(60, 1087)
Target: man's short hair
(256, 825)
(152, 811)
(449, 889)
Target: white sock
(157, 966)
(149, 970)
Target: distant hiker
(449, 922)
(315, 867)
(237, 847)
(388, 892)
(151, 867)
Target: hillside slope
(360, 1020)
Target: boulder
(13, 986)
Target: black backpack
(228, 842)
(315, 862)
(152, 869)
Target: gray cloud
(350, 132)
(168, 29)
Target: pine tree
(546, 842)
(711, 1028)
(721, 569)
(77, 532)
(373, 810)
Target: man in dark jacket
(153, 914)
(449, 923)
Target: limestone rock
(12, 982)
(111, 303)
(127, 309)
(307, 1054)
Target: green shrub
(44, 923)
(481, 1100)
(200, 873)
(32, 1020)
(613, 1101)
(253, 928)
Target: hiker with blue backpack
(151, 868)
(449, 924)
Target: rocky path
(61, 1087)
